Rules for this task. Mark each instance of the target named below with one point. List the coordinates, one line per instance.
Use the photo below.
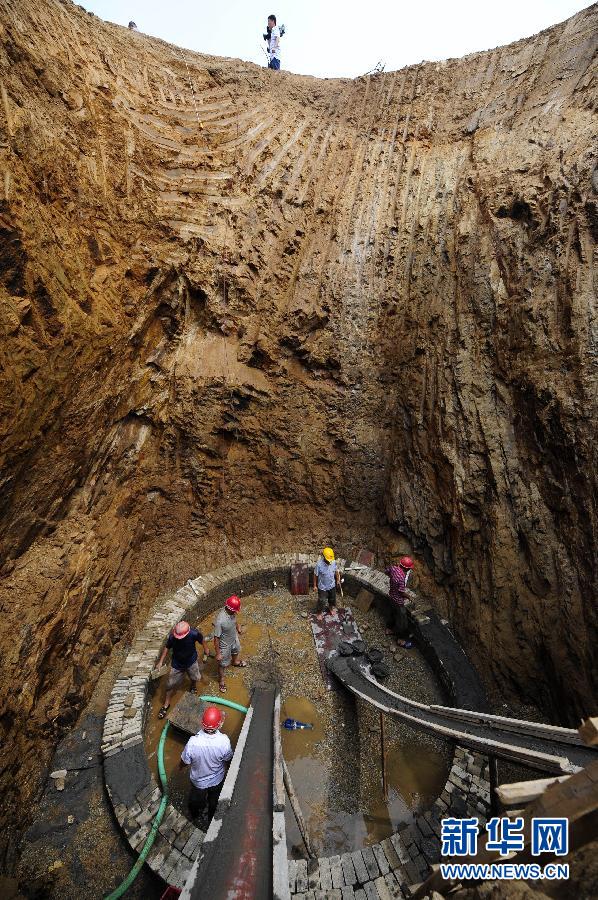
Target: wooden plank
(299, 578)
(364, 600)
(525, 791)
(519, 726)
(278, 794)
(588, 731)
(280, 860)
(487, 746)
(573, 799)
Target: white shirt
(274, 44)
(207, 754)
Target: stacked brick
(382, 871)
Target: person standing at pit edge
(273, 36)
(226, 640)
(208, 752)
(398, 594)
(326, 579)
(181, 641)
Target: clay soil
(349, 312)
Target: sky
(336, 38)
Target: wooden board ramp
(327, 634)
(541, 747)
(237, 857)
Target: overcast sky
(337, 38)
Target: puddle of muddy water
(338, 785)
(178, 782)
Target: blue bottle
(293, 723)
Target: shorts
(228, 653)
(326, 598)
(175, 676)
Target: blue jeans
(274, 64)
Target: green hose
(149, 841)
(126, 884)
(224, 702)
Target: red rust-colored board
(365, 558)
(299, 578)
(239, 865)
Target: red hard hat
(181, 629)
(406, 562)
(212, 718)
(233, 604)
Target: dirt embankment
(244, 312)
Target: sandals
(163, 711)
(222, 688)
(240, 665)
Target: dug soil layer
(246, 311)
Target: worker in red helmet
(226, 639)
(208, 752)
(398, 595)
(181, 640)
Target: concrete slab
(186, 715)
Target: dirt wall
(245, 311)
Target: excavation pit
(335, 766)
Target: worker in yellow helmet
(326, 579)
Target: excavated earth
(246, 311)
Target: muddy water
(335, 766)
(178, 781)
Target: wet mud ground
(336, 766)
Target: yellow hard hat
(328, 554)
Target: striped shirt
(398, 584)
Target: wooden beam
(588, 731)
(525, 791)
